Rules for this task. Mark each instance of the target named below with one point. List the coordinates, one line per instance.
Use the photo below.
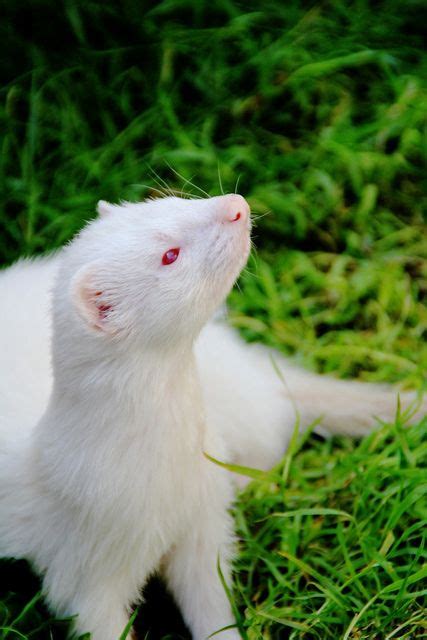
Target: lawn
(317, 113)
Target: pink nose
(235, 208)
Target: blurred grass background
(314, 111)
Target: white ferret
(103, 424)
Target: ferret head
(154, 271)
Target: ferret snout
(234, 208)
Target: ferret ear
(92, 302)
(104, 208)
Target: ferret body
(103, 477)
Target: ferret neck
(124, 406)
(122, 389)
(123, 369)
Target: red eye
(170, 256)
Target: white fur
(111, 483)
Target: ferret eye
(170, 256)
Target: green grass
(317, 111)
(335, 547)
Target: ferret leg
(106, 620)
(192, 575)
(101, 609)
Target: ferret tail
(348, 407)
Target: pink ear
(103, 307)
(91, 303)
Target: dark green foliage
(317, 113)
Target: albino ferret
(103, 478)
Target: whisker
(255, 216)
(159, 178)
(169, 192)
(166, 190)
(247, 272)
(161, 181)
(238, 286)
(237, 183)
(187, 181)
(254, 259)
(193, 195)
(150, 187)
(219, 179)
